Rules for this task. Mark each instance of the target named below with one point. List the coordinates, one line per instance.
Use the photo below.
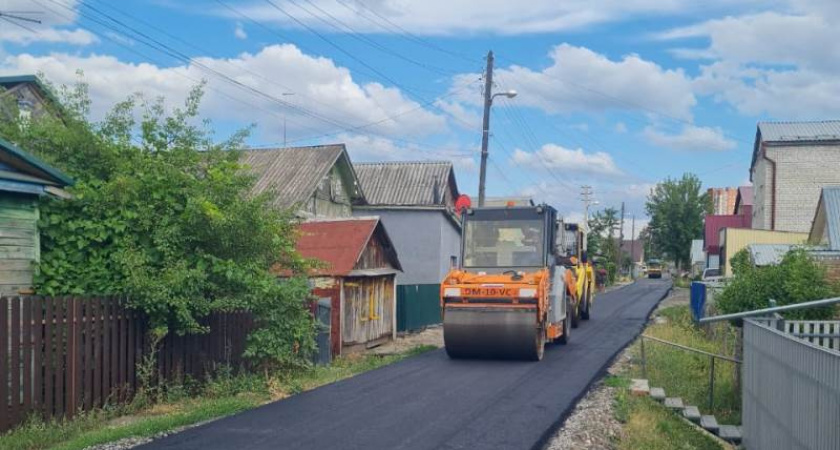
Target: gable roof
(407, 183)
(744, 198)
(829, 206)
(292, 174)
(12, 81)
(793, 133)
(340, 243)
(27, 168)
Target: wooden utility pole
(632, 245)
(485, 128)
(620, 239)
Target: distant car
(711, 275)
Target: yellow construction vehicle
(523, 280)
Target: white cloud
(320, 86)
(552, 156)
(608, 193)
(54, 27)
(464, 116)
(443, 17)
(239, 31)
(371, 148)
(581, 80)
(691, 138)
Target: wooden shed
(24, 180)
(358, 276)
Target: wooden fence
(825, 333)
(63, 355)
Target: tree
(163, 214)
(602, 227)
(676, 208)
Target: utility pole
(485, 128)
(632, 245)
(586, 198)
(620, 238)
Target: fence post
(712, 385)
(644, 359)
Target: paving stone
(639, 387)
(692, 413)
(730, 433)
(709, 423)
(657, 394)
(674, 403)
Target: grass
(686, 375)
(649, 425)
(182, 406)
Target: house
(24, 181)
(633, 249)
(27, 92)
(712, 226)
(744, 203)
(825, 228)
(733, 240)
(415, 201)
(359, 264)
(723, 200)
(317, 181)
(791, 163)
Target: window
(507, 243)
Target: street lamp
(485, 134)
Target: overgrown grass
(649, 425)
(186, 405)
(687, 375)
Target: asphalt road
(433, 402)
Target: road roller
(522, 281)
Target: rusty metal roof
(340, 243)
(292, 174)
(415, 183)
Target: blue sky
(613, 94)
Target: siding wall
(20, 243)
(802, 171)
(734, 239)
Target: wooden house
(24, 181)
(357, 275)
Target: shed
(732, 240)
(24, 181)
(359, 265)
(415, 200)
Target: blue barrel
(698, 299)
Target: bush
(797, 279)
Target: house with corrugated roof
(316, 181)
(357, 276)
(24, 94)
(791, 163)
(415, 201)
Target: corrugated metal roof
(713, 225)
(292, 174)
(340, 243)
(831, 200)
(825, 130)
(416, 183)
(768, 254)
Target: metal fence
(825, 333)
(791, 391)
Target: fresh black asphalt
(433, 402)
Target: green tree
(676, 208)
(163, 214)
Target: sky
(614, 94)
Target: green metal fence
(418, 305)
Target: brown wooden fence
(63, 355)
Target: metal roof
(292, 174)
(25, 162)
(830, 200)
(415, 183)
(794, 132)
(340, 243)
(768, 254)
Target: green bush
(797, 279)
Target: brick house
(791, 163)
